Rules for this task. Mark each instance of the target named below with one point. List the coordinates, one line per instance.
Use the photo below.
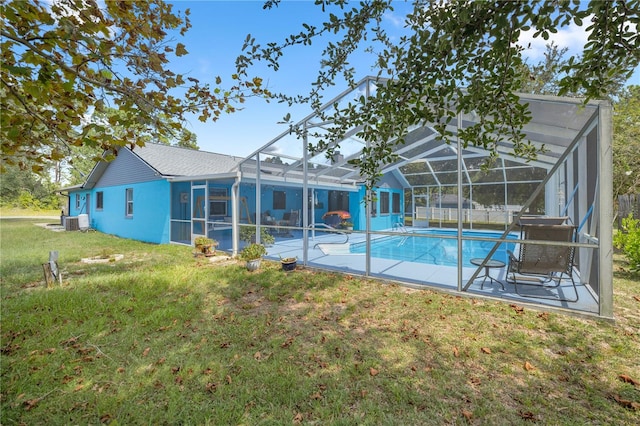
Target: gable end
(127, 168)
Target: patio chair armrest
(513, 261)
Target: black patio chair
(538, 264)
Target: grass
(6, 211)
(161, 337)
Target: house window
(77, 201)
(129, 202)
(218, 199)
(374, 203)
(395, 203)
(99, 200)
(384, 202)
(279, 200)
(338, 200)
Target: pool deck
(326, 253)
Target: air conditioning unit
(71, 223)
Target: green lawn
(12, 211)
(161, 337)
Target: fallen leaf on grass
(528, 415)
(287, 343)
(628, 379)
(211, 387)
(373, 372)
(543, 316)
(146, 352)
(316, 396)
(456, 353)
(467, 414)
(298, 418)
(228, 379)
(486, 350)
(637, 298)
(476, 381)
(632, 405)
(84, 351)
(517, 309)
(257, 356)
(30, 403)
(69, 341)
(528, 366)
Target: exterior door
(198, 211)
(87, 208)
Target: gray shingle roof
(177, 161)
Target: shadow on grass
(165, 338)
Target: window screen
(395, 203)
(384, 202)
(279, 200)
(338, 200)
(218, 200)
(129, 201)
(99, 200)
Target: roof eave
(215, 176)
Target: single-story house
(167, 194)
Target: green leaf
(181, 50)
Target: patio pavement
(326, 252)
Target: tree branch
(126, 93)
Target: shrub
(248, 234)
(252, 252)
(628, 240)
(204, 241)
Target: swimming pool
(429, 246)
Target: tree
(458, 56)
(67, 60)
(545, 77)
(27, 190)
(626, 143)
(80, 160)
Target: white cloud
(572, 37)
(396, 20)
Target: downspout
(234, 217)
(62, 215)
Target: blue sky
(216, 37)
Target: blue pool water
(430, 247)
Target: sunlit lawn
(161, 337)
(13, 212)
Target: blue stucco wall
(150, 220)
(356, 204)
(293, 199)
(381, 220)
